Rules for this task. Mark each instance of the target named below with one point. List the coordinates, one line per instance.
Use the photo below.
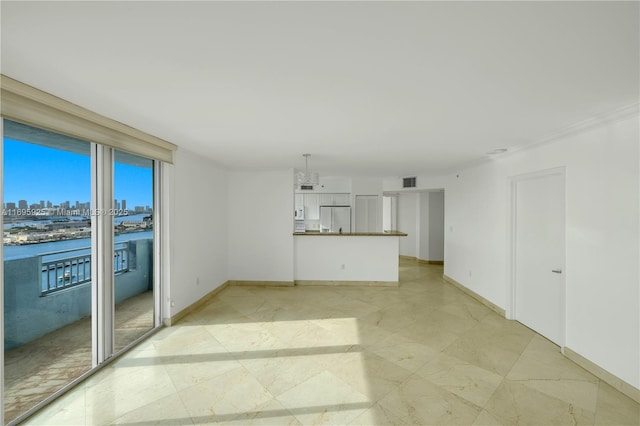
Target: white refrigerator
(335, 219)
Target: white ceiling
(368, 88)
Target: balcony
(48, 317)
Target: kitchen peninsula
(360, 259)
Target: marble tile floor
(423, 354)
(39, 368)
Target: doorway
(538, 252)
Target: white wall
(602, 230)
(423, 182)
(408, 207)
(260, 225)
(331, 185)
(348, 258)
(198, 228)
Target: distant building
(22, 204)
(11, 206)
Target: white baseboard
(497, 309)
(624, 387)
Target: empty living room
(320, 213)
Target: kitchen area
(323, 213)
(338, 240)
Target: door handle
(556, 271)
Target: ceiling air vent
(306, 187)
(409, 182)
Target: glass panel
(133, 257)
(47, 264)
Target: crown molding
(618, 114)
(614, 116)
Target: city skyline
(67, 204)
(36, 173)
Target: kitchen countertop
(352, 234)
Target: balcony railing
(64, 278)
(60, 274)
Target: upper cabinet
(341, 199)
(326, 199)
(335, 199)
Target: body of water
(116, 220)
(30, 250)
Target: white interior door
(539, 243)
(366, 213)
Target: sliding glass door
(47, 264)
(133, 250)
(79, 282)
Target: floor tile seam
(465, 400)
(601, 384)
(228, 306)
(186, 409)
(519, 356)
(175, 386)
(175, 391)
(524, 383)
(464, 363)
(273, 397)
(440, 388)
(237, 355)
(210, 333)
(469, 317)
(490, 398)
(312, 377)
(546, 379)
(412, 370)
(320, 369)
(239, 412)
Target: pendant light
(307, 178)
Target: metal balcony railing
(66, 272)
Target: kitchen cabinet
(311, 207)
(335, 199)
(326, 199)
(341, 199)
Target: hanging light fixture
(306, 178)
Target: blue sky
(34, 172)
